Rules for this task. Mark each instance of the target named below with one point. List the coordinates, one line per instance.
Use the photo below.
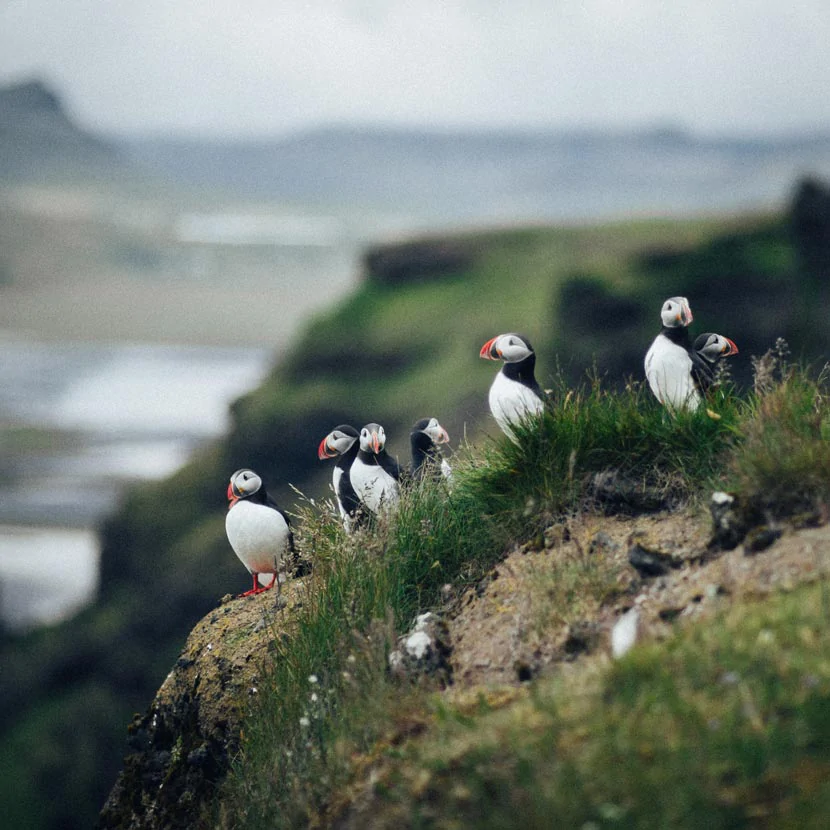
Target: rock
(729, 522)
(180, 749)
(760, 538)
(624, 633)
(424, 651)
(615, 493)
(649, 561)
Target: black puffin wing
(346, 494)
(272, 503)
(702, 374)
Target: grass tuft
(782, 466)
(591, 444)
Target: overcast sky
(259, 67)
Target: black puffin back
(269, 501)
(345, 492)
(387, 463)
(701, 372)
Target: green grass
(551, 468)
(783, 467)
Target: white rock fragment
(720, 498)
(418, 644)
(422, 621)
(624, 633)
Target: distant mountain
(39, 140)
(498, 175)
(415, 178)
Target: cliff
(516, 630)
(182, 747)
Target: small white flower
(305, 722)
(312, 678)
(314, 697)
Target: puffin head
(372, 438)
(338, 442)
(712, 347)
(511, 348)
(676, 313)
(243, 483)
(431, 428)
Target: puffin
(374, 473)
(342, 443)
(424, 439)
(711, 347)
(675, 372)
(514, 394)
(259, 532)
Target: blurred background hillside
(185, 192)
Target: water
(80, 421)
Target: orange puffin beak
(685, 317)
(488, 352)
(323, 451)
(730, 349)
(375, 443)
(232, 498)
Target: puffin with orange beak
(259, 532)
(712, 348)
(514, 394)
(673, 369)
(374, 473)
(427, 460)
(342, 443)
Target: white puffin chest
(669, 374)
(335, 483)
(258, 534)
(512, 402)
(374, 486)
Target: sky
(248, 68)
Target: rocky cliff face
(181, 748)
